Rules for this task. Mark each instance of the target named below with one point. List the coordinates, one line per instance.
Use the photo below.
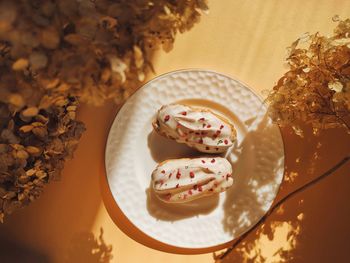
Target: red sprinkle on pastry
(200, 188)
(184, 113)
(202, 119)
(178, 175)
(226, 141)
(166, 118)
(177, 186)
(192, 174)
(221, 127)
(190, 192)
(203, 161)
(170, 175)
(207, 148)
(200, 140)
(212, 161)
(163, 172)
(208, 126)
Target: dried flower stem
(281, 201)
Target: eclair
(184, 180)
(197, 127)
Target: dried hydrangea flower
(316, 89)
(58, 52)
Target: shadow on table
(303, 229)
(257, 171)
(11, 251)
(85, 247)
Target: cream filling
(183, 180)
(198, 128)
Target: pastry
(184, 180)
(198, 128)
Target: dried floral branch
(316, 89)
(280, 202)
(56, 53)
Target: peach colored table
(245, 39)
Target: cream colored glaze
(197, 127)
(184, 180)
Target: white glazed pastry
(183, 180)
(198, 128)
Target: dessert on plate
(197, 127)
(184, 180)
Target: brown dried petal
(30, 112)
(17, 100)
(50, 38)
(33, 150)
(22, 154)
(26, 128)
(20, 64)
(40, 132)
(38, 60)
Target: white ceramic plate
(133, 151)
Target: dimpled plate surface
(257, 160)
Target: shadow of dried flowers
(87, 248)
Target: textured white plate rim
(205, 71)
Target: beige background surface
(246, 39)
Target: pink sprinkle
(178, 175)
(226, 141)
(190, 192)
(170, 175)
